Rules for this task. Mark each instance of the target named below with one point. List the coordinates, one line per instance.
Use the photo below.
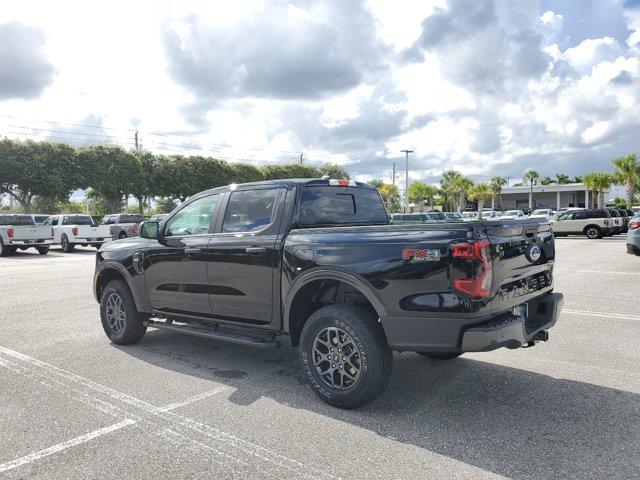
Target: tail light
(606, 223)
(134, 230)
(74, 231)
(342, 183)
(10, 232)
(635, 224)
(477, 284)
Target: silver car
(633, 235)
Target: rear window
(598, 214)
(77, 220)
(328, 205)
(16, 220)
(131, 218)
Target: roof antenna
(325, 176)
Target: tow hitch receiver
(541, 336)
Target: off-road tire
(592, 232)
(67, 247)
(376, 356)
(3, 250)
(42, 250)
(133, 329)
(440, 356)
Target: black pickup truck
(318, 260)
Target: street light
(406, 180)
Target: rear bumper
(91, 241)
(472, 335)
(30, 243)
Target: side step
(215, 334)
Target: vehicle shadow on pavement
(512, 422)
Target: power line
(67, 138)
(71, 124)
(225, 144)
(63, 131)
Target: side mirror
(149, 230)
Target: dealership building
(554, 196)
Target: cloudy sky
(483, 86)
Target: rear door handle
(192, 251)
(256, 250)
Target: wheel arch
(584, 230)
(109, 272)
(306, 295)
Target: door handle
(192, 251)
(256, 250)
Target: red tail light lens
(74, 231)
(342, 183)
(606, 223)
(478, 285)
(134, 230)
(635, 224)
(10, 232)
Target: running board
(215, 334)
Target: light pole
(406, 180)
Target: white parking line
(64, 445)
(588, 313)
(609, 272)
(196, 398)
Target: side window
(65, 221)
(194, 219)
(579, 215)
(565, 216)
(48, 221)
(249, 210)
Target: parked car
(453, 215)
(418, 217)
(21, 232)
(469, 215)
(633, 235)
(592, 223)
(39, 219)
(512, 215)
(545, 213)
(317, 260)
(122, 225)
(617, 221)
(71, 230)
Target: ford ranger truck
(318, 261)
(19, 232)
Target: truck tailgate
(87, 231)
(28, 233)
(523, 252)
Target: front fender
(139, 294)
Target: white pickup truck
(21, 232)
(71, 230)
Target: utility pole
(406, 180)
(301, 156)
(136, 140)
(393, 178)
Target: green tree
(480, 192)
(29, 169)
(294, 170)
(376, 183)
(244, 173)
(448, 187)
(598, 182)
(142, 183)
(334, 171)
(391, 196)
(627, 172)
(532, 176)
(460, 188)
(562, 178)
(419, 192)
(497, 183)
(546, 180)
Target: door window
(194, 219)
(579, 215)
(249, 210)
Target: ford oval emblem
(534, 253)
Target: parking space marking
(169, 421)
(64, 445)
(601, 314)
(196, 398)
(609, 272)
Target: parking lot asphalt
(73, 405)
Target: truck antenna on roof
(325, 176)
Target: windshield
(329, 205)
(540, 212)
(77, 220)
(511, 212)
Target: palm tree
(562, 178)
(419, 192)
(533, 177)
(480, 192)
(496, 189)
(598, 182)
(627, 172)
(447, 186)
(460, 187)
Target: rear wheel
(593, 232)
(345, 355)
(122, 235)
(3, 250)
(121, 321)
(67, 247)
(42, 250)
(440, 356)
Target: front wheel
(42, 250)
(440, 356)
(121, 321)
(593, 232)
(345, 355)
(67, 247)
